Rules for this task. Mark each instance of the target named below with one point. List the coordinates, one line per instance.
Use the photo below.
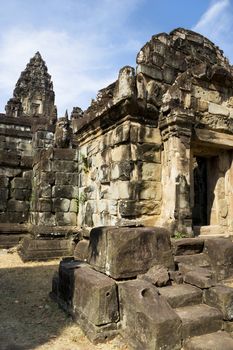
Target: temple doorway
(211, 188)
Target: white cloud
(217, 25)
(215, 18)
(81, 59)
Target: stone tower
(33, 95)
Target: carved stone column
(176, 172)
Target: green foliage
(179, 235)
(82, 198)
(84, 161)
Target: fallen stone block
(90, 297)
(44, 249)
(124, 252)
(81, 250)
(148, 321)
(157, 275)
(95, 296)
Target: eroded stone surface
(127, 252)
(148, 318)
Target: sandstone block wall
(54, 200)
(15, 169)
(120, 176)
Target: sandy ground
(29, 319)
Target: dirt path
(29, 319)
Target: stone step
(199, 319)
(199, 260)
(180, 295)
(200, 277)
(187, 246)
(213, 341)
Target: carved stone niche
(14, 108)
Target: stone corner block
(125, 252)
(149, 322)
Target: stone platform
(155, 293)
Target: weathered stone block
(66, 218)
(26, 161)
(13, 217)
(4, 180)
(218, 109)
(148, 152)
(73, 205)
(153, 72)
(64, 178)
(147, 317)
(9, 158)
(81, 250)
(169, 74)
(199, 319)
(130, 208)
(21, 194)
(151, 171)
(121, 133)
(66, 191)
(145, 134)
(121, 153)
(126, 252)
(188, 246)
(220, 297)
(198, 276)
(15, 205)
(157, 275)
(47, 178)
(3, 198)
(95, 296)
(218, 341)
(61, 165)
(220, 252)
(61, 204)
(10, 172)
(45, 204)
(65, 153)
(120, 190)
(19, 182)
(150, 190)
(104, 174)
(122, 170)
(45, 191)
(45, 218)
(44, 249)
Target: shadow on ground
(28, 317)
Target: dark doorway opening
(200, 207)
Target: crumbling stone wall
(54, 191)
(15, 170)
(120, 176)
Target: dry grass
(29, 318)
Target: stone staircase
(180, 301)
(200, 301)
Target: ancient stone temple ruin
(150, 159)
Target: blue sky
(86, 42)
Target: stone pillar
(176, 174)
